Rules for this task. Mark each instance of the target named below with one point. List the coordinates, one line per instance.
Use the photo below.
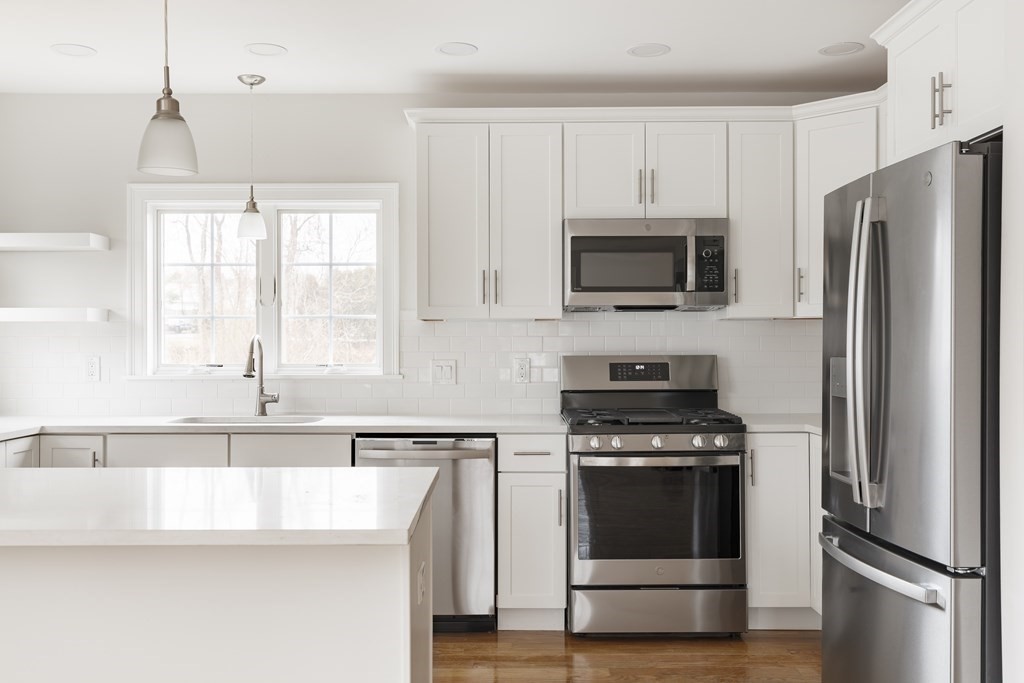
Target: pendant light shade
(167, 147)
(251, 225)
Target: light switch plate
(442, 372)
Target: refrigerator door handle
(861, 391)
(923, 593)
(852, 360)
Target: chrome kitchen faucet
(253, 370)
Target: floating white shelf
(53, 241)
(57, 315)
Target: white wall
(64, 165)
(1011, 473)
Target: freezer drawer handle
(929, 595)
(423, 455)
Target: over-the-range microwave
(662, 264)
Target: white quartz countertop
(783, 422)
(212, 506)
(16, 427)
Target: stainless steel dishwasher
(463, 520)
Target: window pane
(227, 247)
(234, 290)
(186, 290)
(355, 290)
(355, 238)
(186, 341)
(232, 342)
(305, 237)
(305, 291)
(186, 237)
(304, 341)
(355, 341)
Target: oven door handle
(658, 461)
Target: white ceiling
(387, 46)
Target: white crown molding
(907, 15)
(836, 105)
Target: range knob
(699, 441)
(595, 442)
(721, 441)
(616, 443)
(657, 441)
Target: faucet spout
(254, 370)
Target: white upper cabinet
(760, 247)
(489, 220)
(526, 220)
(831, 151)
(946, 72)
(652, 170)
(452, 220)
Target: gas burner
(650, 416)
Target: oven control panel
(710, 263)
(654, 443)
(638, 372)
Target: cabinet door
(531, 540)
(760, 247)
(778, 555)
(977, 93)
(816, 516)
(687, 173)
(167, 450)
(63, 450)
(919, 53)
(830, 152)
(604, 170)
(526, 220)
(452, 234)
(21, 452)
(291, 450)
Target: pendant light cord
(251, 126)
(167, 60)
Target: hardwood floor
(547, 656)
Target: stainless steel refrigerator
(910, 574)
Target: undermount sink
(248, 419)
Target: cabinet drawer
(531, 453)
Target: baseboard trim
(531, 619)
(782, 618)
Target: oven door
(639, 519)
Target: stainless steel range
(656, 475)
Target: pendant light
(167, 147)
(251, 224)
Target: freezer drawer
(887, 619)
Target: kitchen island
(215, 574)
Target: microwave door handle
(852, 291)
(691, 263)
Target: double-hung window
(321, 290)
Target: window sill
(273, 377)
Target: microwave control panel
(710, 261)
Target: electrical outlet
(442, 372)
(92, 369)
(521, 375)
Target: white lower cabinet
(778, 520)
(532, 523)
(291, 450)
(20, 452)
(167, 450)
(815, 523)
(71, 450)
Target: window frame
(146, 200)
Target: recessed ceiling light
(841, 49)
(73, 50)
(266, 49)
(649, 50)
(457, 49)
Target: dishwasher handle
(439, 454)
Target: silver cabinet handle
(752, 467)
(939, 110)
(95, 460)
(652, 186)
(929, 595)
(799, 284)
(560, 515)
(496, 285)
(735, 285)
(640, 186)
(531, 453)
(483, 279)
